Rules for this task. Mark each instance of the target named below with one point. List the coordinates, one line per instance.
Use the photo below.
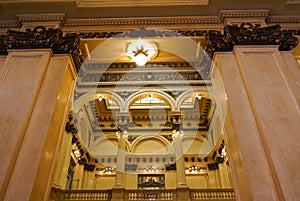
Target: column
(118, 192)
(62, 165)
(261, 121)
(36, 92)
(78, 175)
(176, 118)
(35, 95)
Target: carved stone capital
(40, 37)
(250, 34)
(123, 120)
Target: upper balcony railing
(131, 195)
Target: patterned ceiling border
(134, 22)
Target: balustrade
(213, 194)
(87, 195)
(151, 194)
(131, 195)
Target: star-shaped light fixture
(141, 51)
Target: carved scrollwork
(40, 37)
(216, 41)
(250, 34)
(143, 32)
(247, 33)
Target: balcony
(161, 195)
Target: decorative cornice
(143, 21)
(283, 19)
(48, 17)
(134, 3)
(9, 25)
(40, 37)
(243, 13)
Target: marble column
(180, 167)
(118, 193)
(176, 118)
(120, 171)
(35, 97)
(259, 85)
(63, 161)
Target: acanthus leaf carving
(40, 37)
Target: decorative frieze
(142, 32)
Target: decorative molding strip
(143, 21)
(40, 37)
(283, 19)
(292, 1)
(243, 13)
(134, 3)
(48, 17)
(9, 24)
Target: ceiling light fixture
(141, 51)
(198, 96)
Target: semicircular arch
(143, 94)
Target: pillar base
(183, 193)
(118, 193)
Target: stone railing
(131, 195)
(80, 195)
(213, 194)
(151, 195)
(73, 195)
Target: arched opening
(163, 114)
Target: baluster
(215, 195)
(205, 195)
(223, 195)
(228, 195)
(231, 194)
(202, 195)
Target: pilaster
(261, 120)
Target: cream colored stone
(250, 168)
(21, 77)
(262, 121)
(39, 148)
(275, 100)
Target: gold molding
(134, 3)
(243, 13)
